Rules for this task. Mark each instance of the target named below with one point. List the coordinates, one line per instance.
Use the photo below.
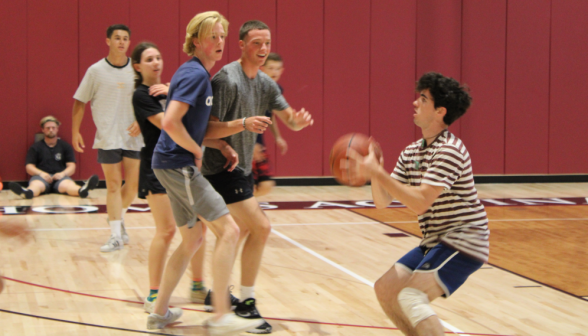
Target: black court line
(527, 286)
(501, 268)
(83, 324)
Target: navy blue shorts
(451, 267)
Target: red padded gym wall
(568, 114)
(13, 89)
(439, 42)
(154, 21)
(94, 18)
(527, 87)
(300, 27)
(483, 69)
(392, 76)
(346, 71)
(189, 9)
(52, 73)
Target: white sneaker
(149, 306)
(112, 244)
(125, 236)
(156, 321)
(231, 324)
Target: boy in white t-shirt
(109, 85)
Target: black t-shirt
(268, 114)
(51, 160)
(146, 106)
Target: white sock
(123, 212)
(115, 228)
(247, 293)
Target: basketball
(360, 143)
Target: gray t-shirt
(236, 96)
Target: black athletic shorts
(148, 181)
(232, 186)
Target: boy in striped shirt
(433, 177)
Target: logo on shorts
(240, 190)
(426, 266)
(209, 101)
(58, 157)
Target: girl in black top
(149, 102)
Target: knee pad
(415, 305)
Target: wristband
(244, 122)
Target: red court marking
(200, 310)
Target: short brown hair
(250, 25)
(47, 119)
(273, 57)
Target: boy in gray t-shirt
(108, 85)
(238, 97)
(243, 92)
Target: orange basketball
(360, 143)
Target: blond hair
(48, 119)
(201, 26)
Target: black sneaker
(17, 189)
(90, 184)
(208, 302)
(246, 309)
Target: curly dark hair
(446, 92)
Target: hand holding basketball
(361, 168)
(353, 159)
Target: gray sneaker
(149, 306)
(125, 236)
(231, 324)
(112, 244)
(156, 321)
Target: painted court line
(140, 303)
(317, 224)
(84, 324)
(345, 270)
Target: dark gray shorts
(191, 195)
(110, 156)
(49, 187)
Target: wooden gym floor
(317, 273)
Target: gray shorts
(49, 187)
(110, 156)
(191, 195)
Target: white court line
(345, 270)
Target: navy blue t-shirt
(190, 85)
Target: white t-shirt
(110, 90)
